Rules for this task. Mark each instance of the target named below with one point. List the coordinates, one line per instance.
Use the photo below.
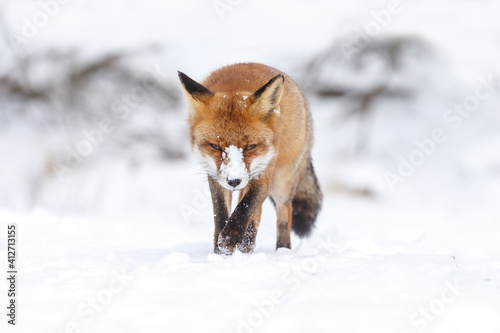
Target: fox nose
(234, 182)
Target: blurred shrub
(384, 67)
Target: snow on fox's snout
(233, 173)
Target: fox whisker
(258, 170)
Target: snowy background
(114, 217)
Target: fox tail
(306, 203)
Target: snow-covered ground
(121, 246)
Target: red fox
(253, 128)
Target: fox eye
(250, 147)
(215, 147)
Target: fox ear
(194, 89)
(268, 97)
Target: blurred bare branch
(380, 69)
(58, 90)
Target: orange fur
(263, 113)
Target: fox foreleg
(235, 234)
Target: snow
(125, 244)
(234, 167)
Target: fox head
(234, 131)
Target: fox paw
(229, 241)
